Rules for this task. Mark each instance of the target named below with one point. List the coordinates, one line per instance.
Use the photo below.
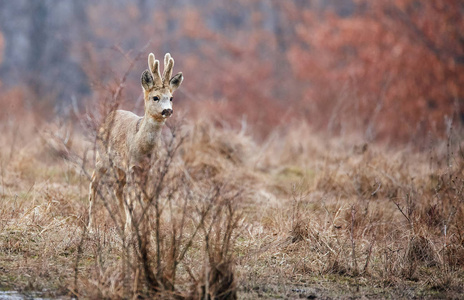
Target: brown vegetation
(298, 215)
(311, 154)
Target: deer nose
(167, 112)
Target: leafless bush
(183, 230)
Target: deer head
(158, 91)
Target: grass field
(298, 215)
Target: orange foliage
(394, 69)
(12, 103)
(15, 113)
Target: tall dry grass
(295, 215)
(184, 224)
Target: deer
(125, 142)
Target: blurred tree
(38, 33)
(1, 47)
(38, 56)
(395, 68)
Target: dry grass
(295, 216)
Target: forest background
(390, 70)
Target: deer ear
(175, 81)
(147, 80)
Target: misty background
(390, 70)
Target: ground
(317, 217)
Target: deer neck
(149, 132)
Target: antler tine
(168, 67)
(167, 56)
(153, 66)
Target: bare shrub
(183, 230)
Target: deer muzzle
(167, 112)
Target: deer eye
(170, 99)
(156, 98)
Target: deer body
(126, 141)
(130, 139)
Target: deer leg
(129, 208)
(129, 204)
(121, 183)
(135, 176)
(96, 176)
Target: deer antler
(168, 67)
(153, 66)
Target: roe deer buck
(126, 141)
